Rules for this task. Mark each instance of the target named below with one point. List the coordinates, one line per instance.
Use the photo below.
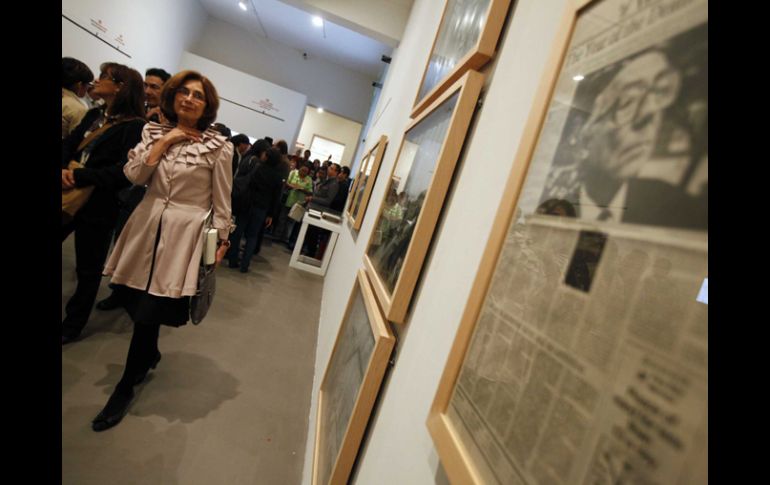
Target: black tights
(141, 354)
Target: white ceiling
(291, 26)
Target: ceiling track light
(243, 6)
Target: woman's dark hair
(130, 98)
(177, 81)
(74, 71)
(274, 156)
(257, 148)
(282, 146)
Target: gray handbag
(207, 282)
(204, 295)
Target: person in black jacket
(101, 142)
(265, 185)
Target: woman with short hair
(187, 167)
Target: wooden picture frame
(361, 190)
(419, 181)
(350, 384)
(472, 57)
(493, 347)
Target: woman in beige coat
(154, 264)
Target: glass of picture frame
(350, 384)
(415, 194)
(364, 182)
(465, 40)
(582, 353)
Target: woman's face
(106, 87)
(303, 171)
(190, 102)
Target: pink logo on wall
(266, 105)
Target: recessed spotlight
(318, 21)
(242, 4)
(579, 77)
(320, 110)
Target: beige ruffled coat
(189, 178)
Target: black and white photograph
(634, 148)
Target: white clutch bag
(209, 245)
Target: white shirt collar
(590, 210)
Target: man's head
(75, 76)
(153, 85)
(241, 143)
(321, 174)
(344, 173)
(334, 170)
(222, 129)
(620, 135)
(306, 155)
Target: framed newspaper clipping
(582, 353)
(415, 195)
(350, 385)
(465, 40)
(362, 185)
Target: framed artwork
(350, 385)
(415, 195)
(362, 185)
(582, 353)
(465, 40)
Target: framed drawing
(365, 180)
(415, 195)
(465, 40)
(350, 385)
(582, 353)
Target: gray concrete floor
(229, 401)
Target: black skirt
(145, 308)
(150, 309)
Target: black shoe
(68, 338)
(113, 412)
(140, 377)
(110, 303)
(244, 270)
(232, 264)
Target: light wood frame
(377, 151)
(367, 393)
(479, 55)
(454, 456)
(396, 304)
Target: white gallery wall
(153, 33)
(251, 105)
(328, 85)
(398, 447)
(383, 20)
(332, 127)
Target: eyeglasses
(659, 96)
(105, 75)
(196, 95)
